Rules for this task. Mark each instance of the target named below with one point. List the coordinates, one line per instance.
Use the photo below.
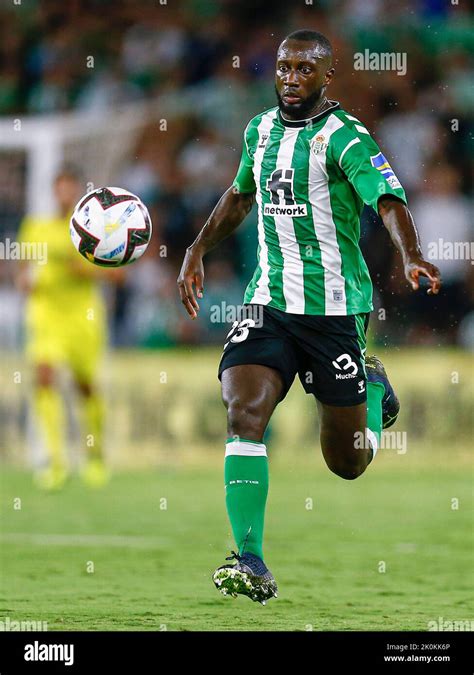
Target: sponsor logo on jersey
(345, 362)
(263, 141)
(318, 144)
(285, 210)
(380, 162)
(280, 187)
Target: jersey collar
(310, 120)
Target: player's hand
(24, 279)
(192, 273)
(420, 267)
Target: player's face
(302, 75)
(67, 191)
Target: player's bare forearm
(228, 214)
(399, 222)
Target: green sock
(375, 394)
(246, 488)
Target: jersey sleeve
(244, 180)
(364, 165)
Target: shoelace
(234, 556)
(258, 566)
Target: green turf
(152, 571)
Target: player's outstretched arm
(229, 212)
(399, 222)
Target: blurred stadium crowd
(210, 65)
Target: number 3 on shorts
(240, 330)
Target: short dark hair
(306, 35)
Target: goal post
(97, 142)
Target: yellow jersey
(65, 312)
(56, 271)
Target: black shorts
(327, 352)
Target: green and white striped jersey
(312, 178)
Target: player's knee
(45, 376)
(85, 389)
(244, 417)
(347, 470)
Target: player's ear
(329, 75)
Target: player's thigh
(257, 368)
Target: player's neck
(320, 107)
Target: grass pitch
(385, 552)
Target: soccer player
(65, 326)
(311, 167)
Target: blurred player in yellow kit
(65, 327)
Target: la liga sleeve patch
(381, 163)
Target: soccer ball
(110, 227)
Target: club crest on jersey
(318, 144)
(380, 162)
(263, 140)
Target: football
(110, 227)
